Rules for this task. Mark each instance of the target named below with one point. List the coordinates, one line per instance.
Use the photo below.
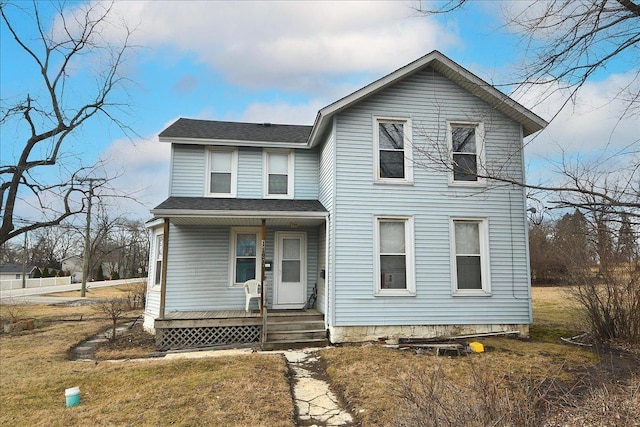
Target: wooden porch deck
(192, 329)
(228, 314)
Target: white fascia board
(440, 62)
(331, 109)
(153, 222)
(233, 142)
(476, 85)
(174, 213)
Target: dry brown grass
(374, 380)
(118, 291)
(254, 390)
(35, 371)
(555, 314)
(368, 377)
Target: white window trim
(232, 252)
(409, 253)
(408, 150)
(234, 172)
(480, 159)
(485, 265)
(265, 174)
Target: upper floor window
(470, 254)
(394, 157)
(394, 260)
(222, 170)
(466, 142)
(278, 174)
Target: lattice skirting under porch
(194, 337)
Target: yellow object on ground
(476, 347)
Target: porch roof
(227, 211)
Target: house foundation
(353, 334)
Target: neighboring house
(73, 265)
(378, 206)
(11, 276)
(15, 271)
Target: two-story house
(383, 209)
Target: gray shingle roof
(248, 205)
(15, 268)
(236, 131)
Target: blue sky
(280, 62)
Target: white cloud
(282, 44)
(142, 170)
(593, 123)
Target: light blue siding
(187, 171)
(198, 268)
(326, 195)
(430, 100)
(306, 174)
(250, 173)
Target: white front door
(290, 274)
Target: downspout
(163, 277)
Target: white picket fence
(8, 284)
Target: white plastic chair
(252, 289)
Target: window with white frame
(394, 157)
(466, 142)
(394, 260)
(278, 174)
(470, 254)
(244, 255)
(221, 177)
(159, 247)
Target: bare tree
(580, 37)
(564, 43)
(46, 116)
(115, 308)
(132, 248)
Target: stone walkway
(86, 350)
(316, 404)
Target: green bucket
(73, 396)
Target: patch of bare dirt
(130, 343)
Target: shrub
(138, 295)
(100, 274)
(435, 399)
(611, 301)
(114, 308)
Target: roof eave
(231, 142)
(205, 213)
(530, 121)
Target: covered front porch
(208, 248)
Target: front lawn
(35, 371)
